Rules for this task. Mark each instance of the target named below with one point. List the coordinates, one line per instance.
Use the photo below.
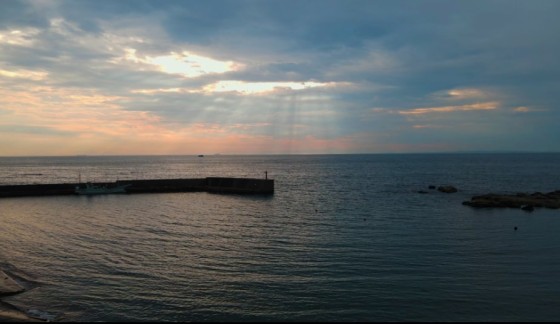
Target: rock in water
(447, 189)
(8, 286)
(525, 201)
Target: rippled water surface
(343, 238)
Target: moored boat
(92, 189)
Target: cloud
(19, 37)
(522, 109)
(24, 74)
(525, 109)
(351, 77)
(463, 94)
(447, 109)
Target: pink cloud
(446, 109)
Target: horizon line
(278, 154)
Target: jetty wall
(239, 185)
(163, 185)
(211, 184)
(37, 190)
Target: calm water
(343, 238)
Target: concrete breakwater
(209, 184)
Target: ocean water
(343, 238)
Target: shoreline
(9, 312)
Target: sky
(108, 77)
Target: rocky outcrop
(447, 189)
(524, 201)
(444, 188)
(9, 286)
(8, 312)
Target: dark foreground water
(343, 238)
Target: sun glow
(260, 87)
(24, 74)
(24, 37)
(185, 63)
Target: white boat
(92, 189)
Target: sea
(343, 238)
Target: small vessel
(201, 155)
(92, 189)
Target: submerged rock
(447, 189)
(528, 208)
